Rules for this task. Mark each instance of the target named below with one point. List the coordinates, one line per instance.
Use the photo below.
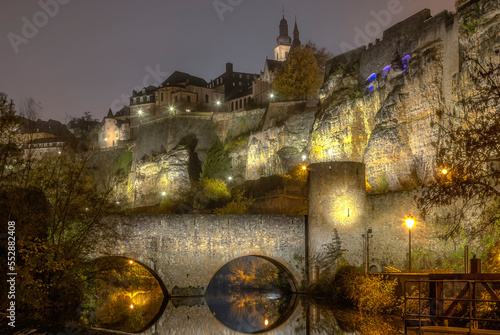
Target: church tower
(284, 42)
(296, 38)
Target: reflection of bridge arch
(247, 324)
(278, 263)
(155, 276)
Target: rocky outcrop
(283, 141)
(159, 177)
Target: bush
(215, 189)
(368, 294)
(382, 183)
(239, 205)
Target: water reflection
(245, 297)
(123, 296)
(252, 312)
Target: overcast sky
(88, 55)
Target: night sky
(89, 55)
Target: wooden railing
(469, 301)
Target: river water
(249, 313)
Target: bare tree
(468, 153)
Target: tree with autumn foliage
(300, 76)
(57, 209)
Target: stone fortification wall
(239, 123)
(337, 201)
(166, 133)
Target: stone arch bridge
(186, 251)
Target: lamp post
(409, 223)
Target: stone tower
(284, 42)
(337, 200)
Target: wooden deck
(436, 330)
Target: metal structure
(466, 301)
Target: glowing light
(386, 70)
(230, 178)
(117, 202)
(131, 306)
(304, 157)
(371, 78)
(304, 167)
(163, 193)
(218, 103)
(266, 322)
(171, 108)
(106, 139)
(131, 262)
(140, 112)
(271, 95)
(59, 152)
(410, 221)
(444, 171)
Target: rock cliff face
(154, 179)
(380, 105)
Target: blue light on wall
(371, 78)
(405, 61)
(369, 89)
(386, 70)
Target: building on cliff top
(115, 129)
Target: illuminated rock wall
(158, 178)
(279, 146)
(186, 251)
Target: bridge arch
(166, 296)
(281, 265)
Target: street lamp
(410, 221)
(444, 171)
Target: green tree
(217, 163)
(300, 75)
(10, 153)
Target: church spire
(296, 38)
(283, 38)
